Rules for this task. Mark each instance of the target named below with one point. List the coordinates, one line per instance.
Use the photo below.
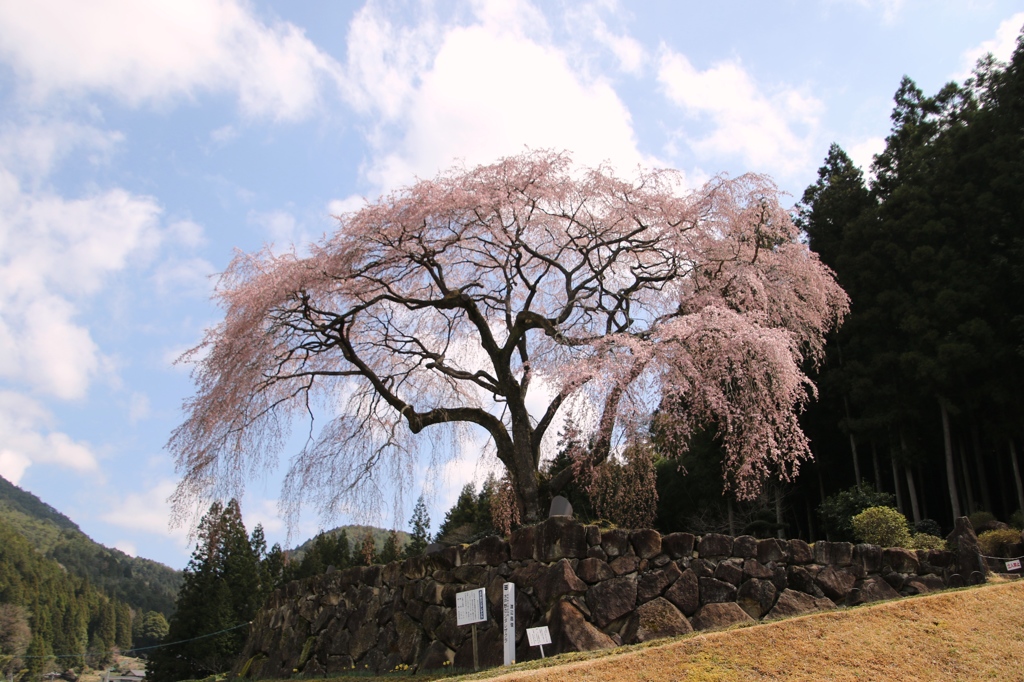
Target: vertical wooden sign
(508, 607)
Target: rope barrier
(148, 648)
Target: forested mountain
(143, 584)
(59, 614)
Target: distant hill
(355, 539)
(141, 583)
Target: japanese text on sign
(471, 607)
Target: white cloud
(138, 407)
(34, 148)
(773, 132)
(127, 547)
(25, 431)
(477, 91)
(55, 252)
(146, 511)
(349, 204)
(142, 52)
(1001, 46)
(185, 276)
(862, 153)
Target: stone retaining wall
(593, 588)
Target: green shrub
(926, 541)
(838, 510)
(928, 527)
(882, 526)
(997, 542)
(982, 521)
(1017, 519)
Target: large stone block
(716, 591)
(900, 560)
(646, 543)
(801, 579)
(560, 538)
(755, 569)
(756, 597)
(730, 571)
(592, 570)
(866, 559)
(772, 549)
(615, 542)
(653, 584)
(570, 631)
(869, 590)
(714, 545)
(488, 551)
(559, 580)
(522, 543)
(621, 565)
(685, 592)
(745, 547)
(719, 615)
(835, 583)
(612, 599)
(964, 543)
(793, 603)
(800, 552)
(678, 545)
(654, 620)
(833, 553)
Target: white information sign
(471, 607)
(508, 612)
(538, 636)
(1013, 565)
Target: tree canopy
(496, 297)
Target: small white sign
(471, 607)
(1013, 565)
(539, 636)
(508, 607)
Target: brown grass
(973, 634)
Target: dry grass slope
(973, 634)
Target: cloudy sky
(141, 142)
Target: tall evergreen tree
(419, 524)
(220, 592)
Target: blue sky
(142, 142)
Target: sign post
(470, 609)
(508, 609)
(539, 637)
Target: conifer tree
(419, 524)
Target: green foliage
(420, 526)
(882, 526)
(391, 551)
(997, 542)
(928, 527)
(982, 521)
(224, 585)
(470, 517)
(1017, 519)
(66, 613)
(15, 636)
(141, 583)
(926, 541)
(838, 510)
